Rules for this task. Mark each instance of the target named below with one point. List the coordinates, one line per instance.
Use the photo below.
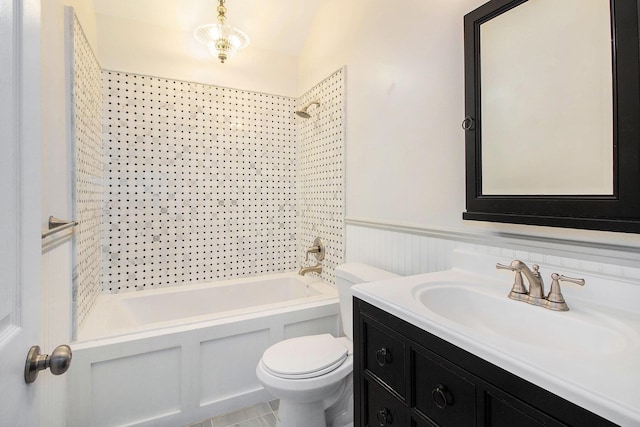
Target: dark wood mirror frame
(617, 212)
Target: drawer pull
(384, 417)
(383, 356)
(440, 396)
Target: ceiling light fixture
(222, 40)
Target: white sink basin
(588, 355)
(482, 310)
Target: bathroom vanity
(405, 376)
(423, 360)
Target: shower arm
(303, 111)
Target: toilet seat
(304, 357)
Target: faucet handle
(518, 289)
(555, 300)
(536, 270)
(311, 250)
(318, 249)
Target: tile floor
(262, 415)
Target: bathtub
(173, 356)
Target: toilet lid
(304, 357)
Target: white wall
(405, 93)
(405, 103)
(122, 46)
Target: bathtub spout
(314, 269)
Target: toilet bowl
(312, 375)
(309, 389)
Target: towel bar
(56, 225)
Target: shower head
(303, 111)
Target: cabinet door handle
(384, 417)
(468, 123)
(383, 356)
(440, 396)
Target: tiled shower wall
(86, 101)
(178, 182)
(200, 183)
(320, 173)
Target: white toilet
(312, 375)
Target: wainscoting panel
(182, 374)
(406, 250)
(400, 252)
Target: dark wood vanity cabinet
(404, 376)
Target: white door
(20, 242)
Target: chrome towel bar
(56, 225)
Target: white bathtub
(174, 356)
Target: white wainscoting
(407, 249)
(401, 252)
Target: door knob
(58, 362)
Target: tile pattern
(262, 415)
(88, 171)
(200, 183)
(320, 173)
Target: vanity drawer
(384, 355)
(382, 408)
(503, 410)
(442, 392)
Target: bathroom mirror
(552, 113)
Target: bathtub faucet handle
(311, 250)
(317, 249)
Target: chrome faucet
(534, 279)
(535, 294)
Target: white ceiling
(278, 25)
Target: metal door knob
(58, 362)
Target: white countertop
(601, 377)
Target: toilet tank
(350, 274)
